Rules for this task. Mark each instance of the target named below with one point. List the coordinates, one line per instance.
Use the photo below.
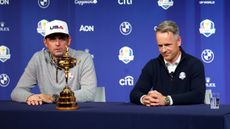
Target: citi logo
(87, 28)
(127, 81)
(124, 2)
(56, 27)
(4, 2)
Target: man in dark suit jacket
(174, 77)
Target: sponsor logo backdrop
(120, 36)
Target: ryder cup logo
(165, 4)
(125, 28)
(43, 3)
(126, 54)
(207, 56)
(207, 27)
(4, 53)
(4, 80)
(41, 27)
(71, 76)
(182, 75)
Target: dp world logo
(165, 4)
(125, 28)
(207, 27)
(43, 3)
(126, 54)
(207, 56)
(4, 80)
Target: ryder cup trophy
(66, 100)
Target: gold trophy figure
(66, 100)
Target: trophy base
(67, 100)
(68, 108)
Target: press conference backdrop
(119, 34)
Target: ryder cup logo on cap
(56, 26)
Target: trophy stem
(66, 76)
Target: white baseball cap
(56, 26)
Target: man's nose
(57, 42)
(163, 48)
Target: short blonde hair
(168, 26)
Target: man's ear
(69, 41)
(44, 41)
(179, 41)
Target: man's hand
(38, 99)
(154, 98)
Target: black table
(113, 115)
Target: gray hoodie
(41, 71)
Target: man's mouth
(58, 50)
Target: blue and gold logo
(165, 4)
(4, 53)
(126, 54)
(207, 27)
(41, 27)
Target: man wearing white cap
(42, 70)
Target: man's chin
(167, 58)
